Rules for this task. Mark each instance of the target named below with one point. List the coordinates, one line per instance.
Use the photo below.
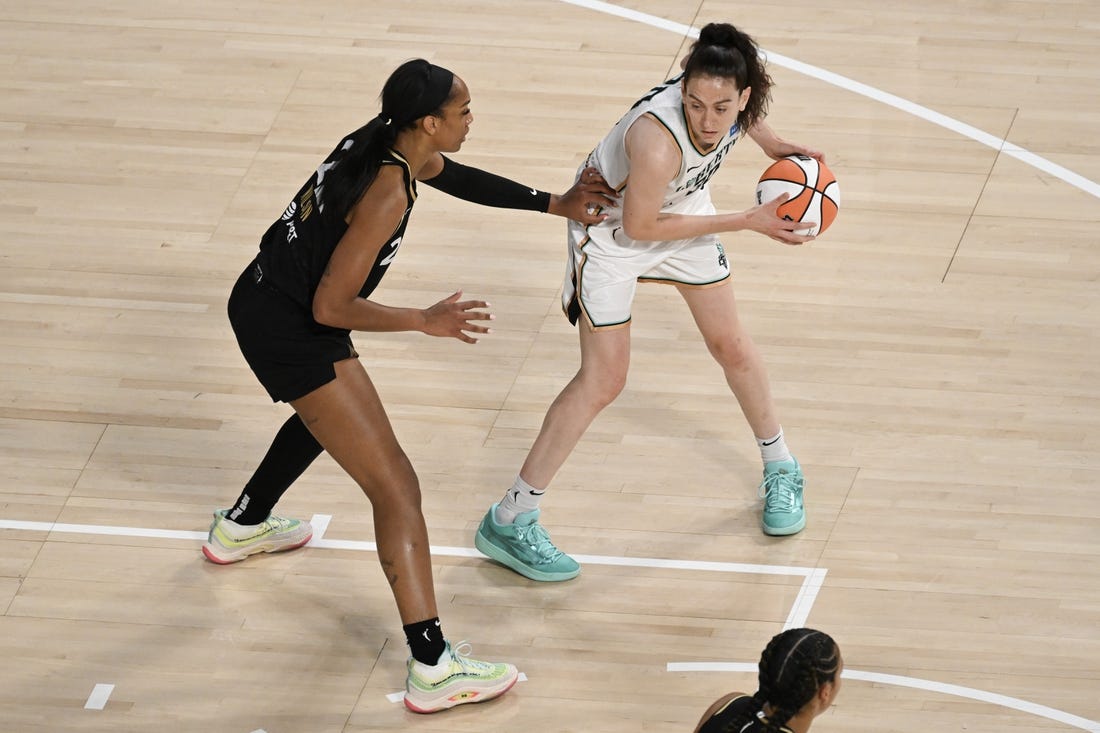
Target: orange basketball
(814, 192)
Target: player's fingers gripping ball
(814, 194)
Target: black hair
(793, 667)
(725, 52)
(415, 89)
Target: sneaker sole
(785, 531)
(461, 697)
(230, 558)
(486, 546)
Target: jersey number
(393, 253)
(655, 91)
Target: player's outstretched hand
(784, 148)
(453, 318)
(583, 201)
(764, 219)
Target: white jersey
(605, 265)
(664, 103)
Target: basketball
(814, 192)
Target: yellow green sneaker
(229, 542)
(455, 680)
(781, 490)
(524, 546)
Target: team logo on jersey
(700, 179)
(306, 202)
(288, 217)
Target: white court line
(644, 18)
(99, 696)
(800, 609)
(441, 550)
(101, 529)
(1000, 144)
(939, 687)
(320, 523)
(803, 601)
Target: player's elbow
(325, 314)
(639, 231)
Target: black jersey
(295, 250)
(739, 708)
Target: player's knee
(604, 388)
(733, 353)
(393, 488)
(398, 503)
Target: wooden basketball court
(933, 356)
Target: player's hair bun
(719, 34)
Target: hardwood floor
(933, 357)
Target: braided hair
(725, 52)
(414, 90)
(793, 667)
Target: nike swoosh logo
(689, 170)
(772, 442)
(534, 192)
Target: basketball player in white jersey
(659, 157)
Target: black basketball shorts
(290, 353)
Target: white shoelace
(778, 492)
(539, 541)
(461, 651)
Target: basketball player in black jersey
(799, 678)
(292, 311)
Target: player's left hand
(784, 148)
(584, 200)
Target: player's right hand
(765, 220)
(453, 318)
(586, 200)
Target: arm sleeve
(487, 189)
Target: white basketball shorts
(605, 266)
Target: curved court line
(971, 693)
(999, 144)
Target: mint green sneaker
(525, 547)
(229, 542)
(454, 680)
(781, 491)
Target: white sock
(774, 448)
(519, 499)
